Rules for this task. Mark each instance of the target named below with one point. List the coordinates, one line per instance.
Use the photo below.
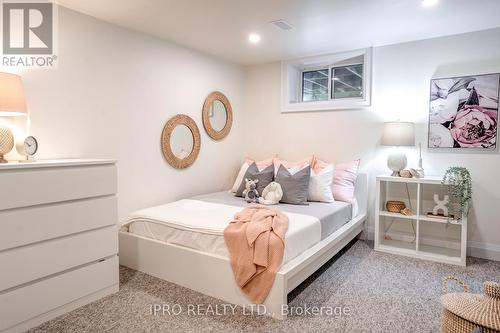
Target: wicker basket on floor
(464, 312)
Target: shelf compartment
(400, 245)
(441, 251)
(438, 220)
(397, 215)
(440, 254)
(397, 191)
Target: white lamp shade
(12, 101)
(398, 134)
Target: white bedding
(200, 225)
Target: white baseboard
(483, 250)
(474, 249)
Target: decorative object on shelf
(464, 112)
(420, 160)
(28, 148)
(464, 312)
(217, 115)
(441, 205)
(459, 187)
(398, 134)
(405, 173)
(395, 206)
(417, 172)
(180, 141)
(406, 211)
(12, 103)
(440, 216)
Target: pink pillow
(344, 179)
(289, 165)
(261, 165)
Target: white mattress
(200, 225)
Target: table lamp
(12, 103)
(398, 134)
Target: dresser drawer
(33, 300)
(28, 187)
(31, 262)
(39, 223)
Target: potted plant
(459, 185)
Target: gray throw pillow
(265, 177)
(295, 187)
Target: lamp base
(396, 162)
(6, 142)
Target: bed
(183, 240)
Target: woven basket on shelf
(464, 312)
(395, 206)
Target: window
(315, 85)
(347, 82)
(328, 82)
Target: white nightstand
(436, 239)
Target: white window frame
(291, 90)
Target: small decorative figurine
(441, 205)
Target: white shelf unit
(450, 248)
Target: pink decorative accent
(344, 179)
(261, 165)
(474, 126)
(289, 165)
(319, 165)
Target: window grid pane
(347, 82)
(315, 85)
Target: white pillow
(240, 176)
(320, 185)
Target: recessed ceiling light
(254, 38)
(429, 3)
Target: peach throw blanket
(256, 243)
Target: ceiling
(221, 27)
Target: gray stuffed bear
(250, 193)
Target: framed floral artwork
(464, 112)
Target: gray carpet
(384, 293)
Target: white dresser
(58, 238)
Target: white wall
(114, 89)
(110, 97)
(401, 80)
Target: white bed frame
(211, 274)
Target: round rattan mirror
(217, 115)
(180, 141)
